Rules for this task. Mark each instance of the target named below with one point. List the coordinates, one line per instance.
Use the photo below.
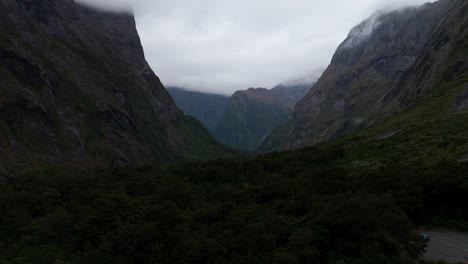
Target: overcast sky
(225, 45)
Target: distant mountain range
(242, 120)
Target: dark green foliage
(293, 207)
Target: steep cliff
(387, 64)
(75, 88)
(206, 107)
(252, 113)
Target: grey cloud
(224, 45)
(312, 78)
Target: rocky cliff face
(208, 108)
(386, 64)
(252, 113)
(75, 87)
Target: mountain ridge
(252, 113)
(366, 82)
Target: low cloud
(363, 31)
(222, 45)
(308, 79)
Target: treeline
(294, 207)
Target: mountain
(388, 63)
(252, 113)
(75, 88)
(206, 107)
(362, 197)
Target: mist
(223, 46)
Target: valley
(100, 162)
(246, 118)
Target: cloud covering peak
(223, 45)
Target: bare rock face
(386, 64)
(75, 88)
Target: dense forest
(302, 206)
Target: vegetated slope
(432, 130)
(75, 87)
(387, 63)
(358, 199)
(206, 107)
(252, 113)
